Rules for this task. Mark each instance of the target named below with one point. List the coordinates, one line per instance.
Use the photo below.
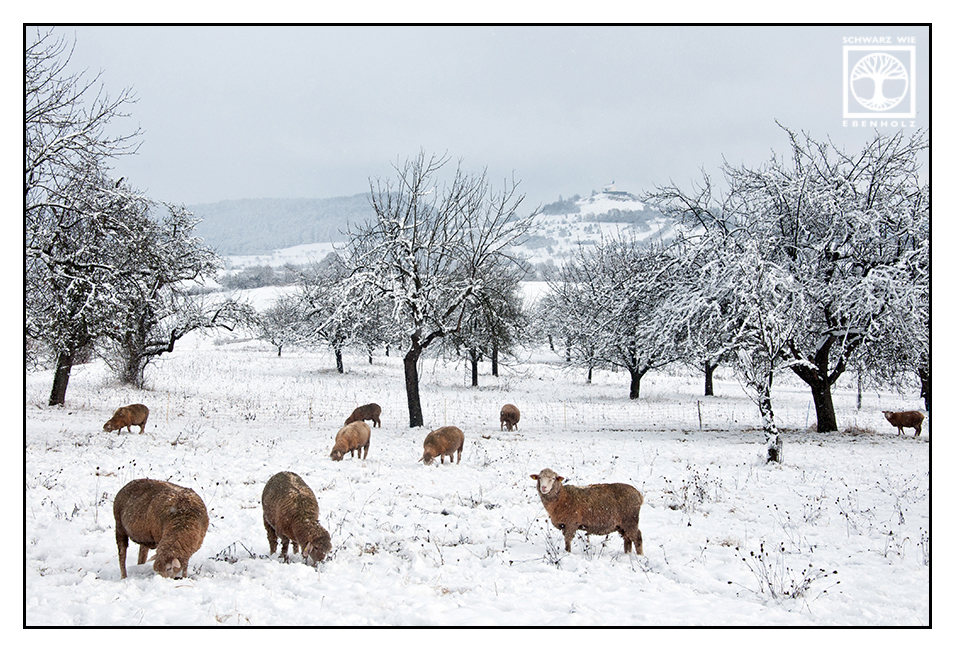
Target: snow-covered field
(836, 536)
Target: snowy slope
(844, 522)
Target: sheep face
(318, 547)
(548, 482)
(336, 455)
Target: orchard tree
(74, 215)
(608, 300)
(835, 221)
(164, 260)
(494, 324)
(280, 324)
(76, 265)
(432, 247)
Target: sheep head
(548, 481)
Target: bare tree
(154, 308)
(74, 216)
(430, 251)
(608, 302)
(835, 222)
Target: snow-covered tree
(834, 221)
(495, 322)
(164, 259)
(76, 255)
(607, 301)
(74, 215)
(430, 250)
(280, 324)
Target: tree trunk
(636, 375)
(924, 389)
(709, 378)
(280, 351)
(590, 375)
(338, 361)
(823, 402)
(473, 353)
(494, 361)
(773, 438)
(411, 386)
(61, 377)
(819, 378)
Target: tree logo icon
(879, 82)
(871, 77)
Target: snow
(470, 544)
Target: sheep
(128, 416)
(443, 442)
(162, 516)
(351, 438)
(362, 413)
(909, 418)
(290, 512)
(596, 509)
(510, 416)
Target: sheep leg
(122, 543)
(143, 553)
(271, 534)
(285, 549)
(366, 453)
(142, 427)
(459, 454)
(568, 536)
(919, 429)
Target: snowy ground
(837, 535)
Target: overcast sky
(247, 112)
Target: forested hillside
(256, 226)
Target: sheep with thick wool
(909, 418)
(162, 516)
(290, 512)
(371, 412)
(443, 442)
(351, 438)
(510, 415)
(597, 509)
(128, 416)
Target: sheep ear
(534, 476)
(559, 478)
(305, 551)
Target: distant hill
(260, 226)
(275, 232)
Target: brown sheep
(510, 415)
(909, 418)
(443, 442)
(351, 438)
(128, 416)
(362, 413)
(595, 509)
(290, 512)
(162, 516)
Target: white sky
(239, 112)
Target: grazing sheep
(362, 413)
(128, 416)
(910, 418)
(443, 442)
(351, 438)
(596, 509)
(510, 416)
(291, 513)
(162, 516)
